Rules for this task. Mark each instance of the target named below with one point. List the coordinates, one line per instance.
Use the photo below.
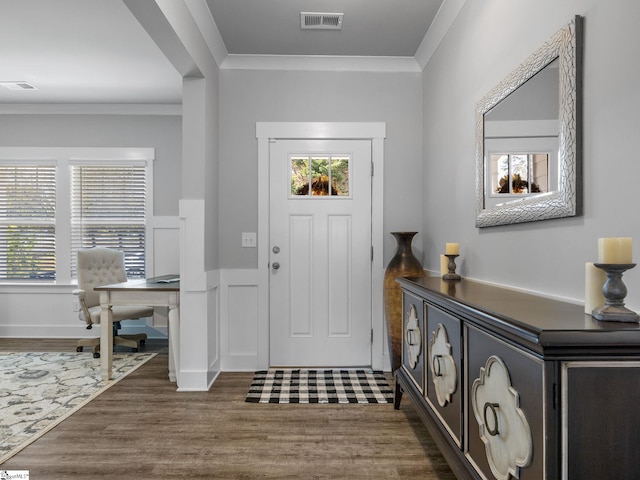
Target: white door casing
(320, 281)
(373, 131)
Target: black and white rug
(319, 386)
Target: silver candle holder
(452, 275)
(614, 291)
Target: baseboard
(239, 363)
(194, 381)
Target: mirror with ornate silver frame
(506, 129)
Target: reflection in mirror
(527, 136)
(519, 173)
(520, 138)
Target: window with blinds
(27, 222)
(108, 209)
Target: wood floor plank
(141, 428)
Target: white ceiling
(81, 51)
(95, 51)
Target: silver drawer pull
(493, 407)
(437, 367)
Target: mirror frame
(566, 201)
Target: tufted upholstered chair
(103, 266)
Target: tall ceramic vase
(403, 264)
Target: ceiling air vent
(18, 85)
(321, 21)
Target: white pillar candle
(614, 250)
(444, 265)
(451, 249)
(594, 279)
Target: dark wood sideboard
(513, 385)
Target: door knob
(275, 265)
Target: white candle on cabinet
(614, 250)
(452, 249)
(594, 279)
(444, 265)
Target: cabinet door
(505, 409)
(413, 339)
(600, 417)
(444, 370)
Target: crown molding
(89, 109)
(320, 63)
(447, 13)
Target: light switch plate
(249, 239)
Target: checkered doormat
(319, 386)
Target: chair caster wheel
(78, 349)
(96, 355)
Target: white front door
(320, 253)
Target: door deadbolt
(276, 249)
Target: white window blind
(27, 221)
(108, 209)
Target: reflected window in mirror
(533, 159)
(519, 173)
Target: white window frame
(64, 157)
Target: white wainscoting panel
(199, 336)
(165, 246)
(39, 311)
(198, 363)
(239, 320)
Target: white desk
(139, 292)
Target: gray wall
(486, 42)
(250, 96)
(163, 132)
(211, 193)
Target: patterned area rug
(320, 386)
(39, 390)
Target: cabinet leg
(397, 395)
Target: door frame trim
(374, 131)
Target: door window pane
(340, 175)
(320, 176)
(299, 176)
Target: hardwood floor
(141, 428)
